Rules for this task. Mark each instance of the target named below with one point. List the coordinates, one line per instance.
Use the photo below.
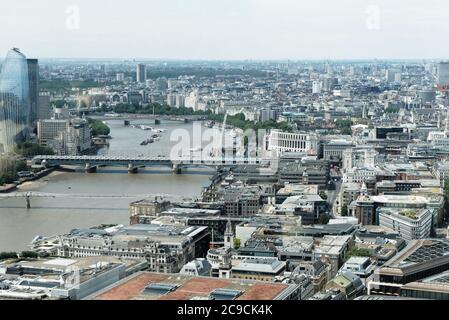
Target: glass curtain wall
(14, 101)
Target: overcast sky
(226, 29)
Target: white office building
(292, 142)
(358, 157)
(65, 137)
(334, 149)
(171, 99)
(442, 172)
(360, 175)
(409, 223)
(316, 87)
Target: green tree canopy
(356, 252)
(98, 127)
(323, 218)
(28, 149)
(7, 255)
(29, 254)
(323, 195)
(344, 211)
(344, 125)
(237, 243)
(7, 177)
(21, 166)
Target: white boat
(112, 115)
(143, 127)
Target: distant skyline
(227, 30)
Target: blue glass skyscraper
(14, 101)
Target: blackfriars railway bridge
(90, 163)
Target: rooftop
(418, 253)
(266, 265)
(331, 244)
(189, 287)
(400, 199)
(27, 278)
(408, 214)
(148, 230)
(357, 260)
(296, 244)
(190, 212)
(326, 229)
(435, 283)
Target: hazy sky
(226, 29)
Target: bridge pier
(176, 169)
(90, 169)
(132, 169)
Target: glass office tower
(14, 101)
(33, 81)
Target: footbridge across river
(32, 194)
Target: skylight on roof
(225, 294)
(161, 288)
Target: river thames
(57, 215)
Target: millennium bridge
(32, 194)
(91, 163)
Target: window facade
(14, 101)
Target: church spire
(229, 234)
(364, 190)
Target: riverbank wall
(13, 186)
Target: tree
(344, 211)
(237, 243)
(7, 177)
(29, 255)
(323, 195)
(8, 255)
(59, 103)
(83, 104)
(28, 149)
(98, 127)
(392, 109)
(344, 125)
(21, 166)
(356, 252)
(323, 218)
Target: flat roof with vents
(225, 294)
(159, 286)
